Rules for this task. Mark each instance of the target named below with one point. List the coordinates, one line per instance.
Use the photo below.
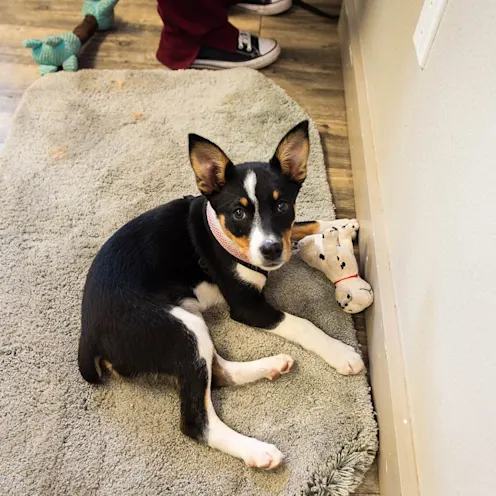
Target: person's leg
(190, 23)
(197, 34)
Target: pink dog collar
(218, 233)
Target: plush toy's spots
(343, 265)
(243, 201)
(322, 257)
(275, 194)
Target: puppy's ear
(209, 163)
(291, 156)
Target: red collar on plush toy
(344, 278)
(226, 243)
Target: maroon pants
(190, 23)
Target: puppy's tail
(89, 363)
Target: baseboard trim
(396, 459)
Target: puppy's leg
(336, 353)
(237, 373)
(257, 312)
(198, 417)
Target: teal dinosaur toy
(62, 50)
(102, 11)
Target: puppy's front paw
(262, 455)
(348, 361)
(278, 365)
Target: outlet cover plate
(426, 29)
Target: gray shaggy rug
(89, 151)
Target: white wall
(435, 140)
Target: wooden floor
(309, 69)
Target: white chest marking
(251, 277)
(208, 295)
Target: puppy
(150, 282)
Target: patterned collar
(228, 244)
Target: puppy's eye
(239, 214)
(282, 206)
(348, 296)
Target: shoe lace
(244, 41)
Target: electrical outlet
(426, 29)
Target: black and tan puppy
(149, 283)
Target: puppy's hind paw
(263, 455)
(278, 365)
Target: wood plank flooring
(309, 69)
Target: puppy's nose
(271, 250)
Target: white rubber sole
(258, 63)
(267, 10)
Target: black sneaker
(252, 52)
(266, 7)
